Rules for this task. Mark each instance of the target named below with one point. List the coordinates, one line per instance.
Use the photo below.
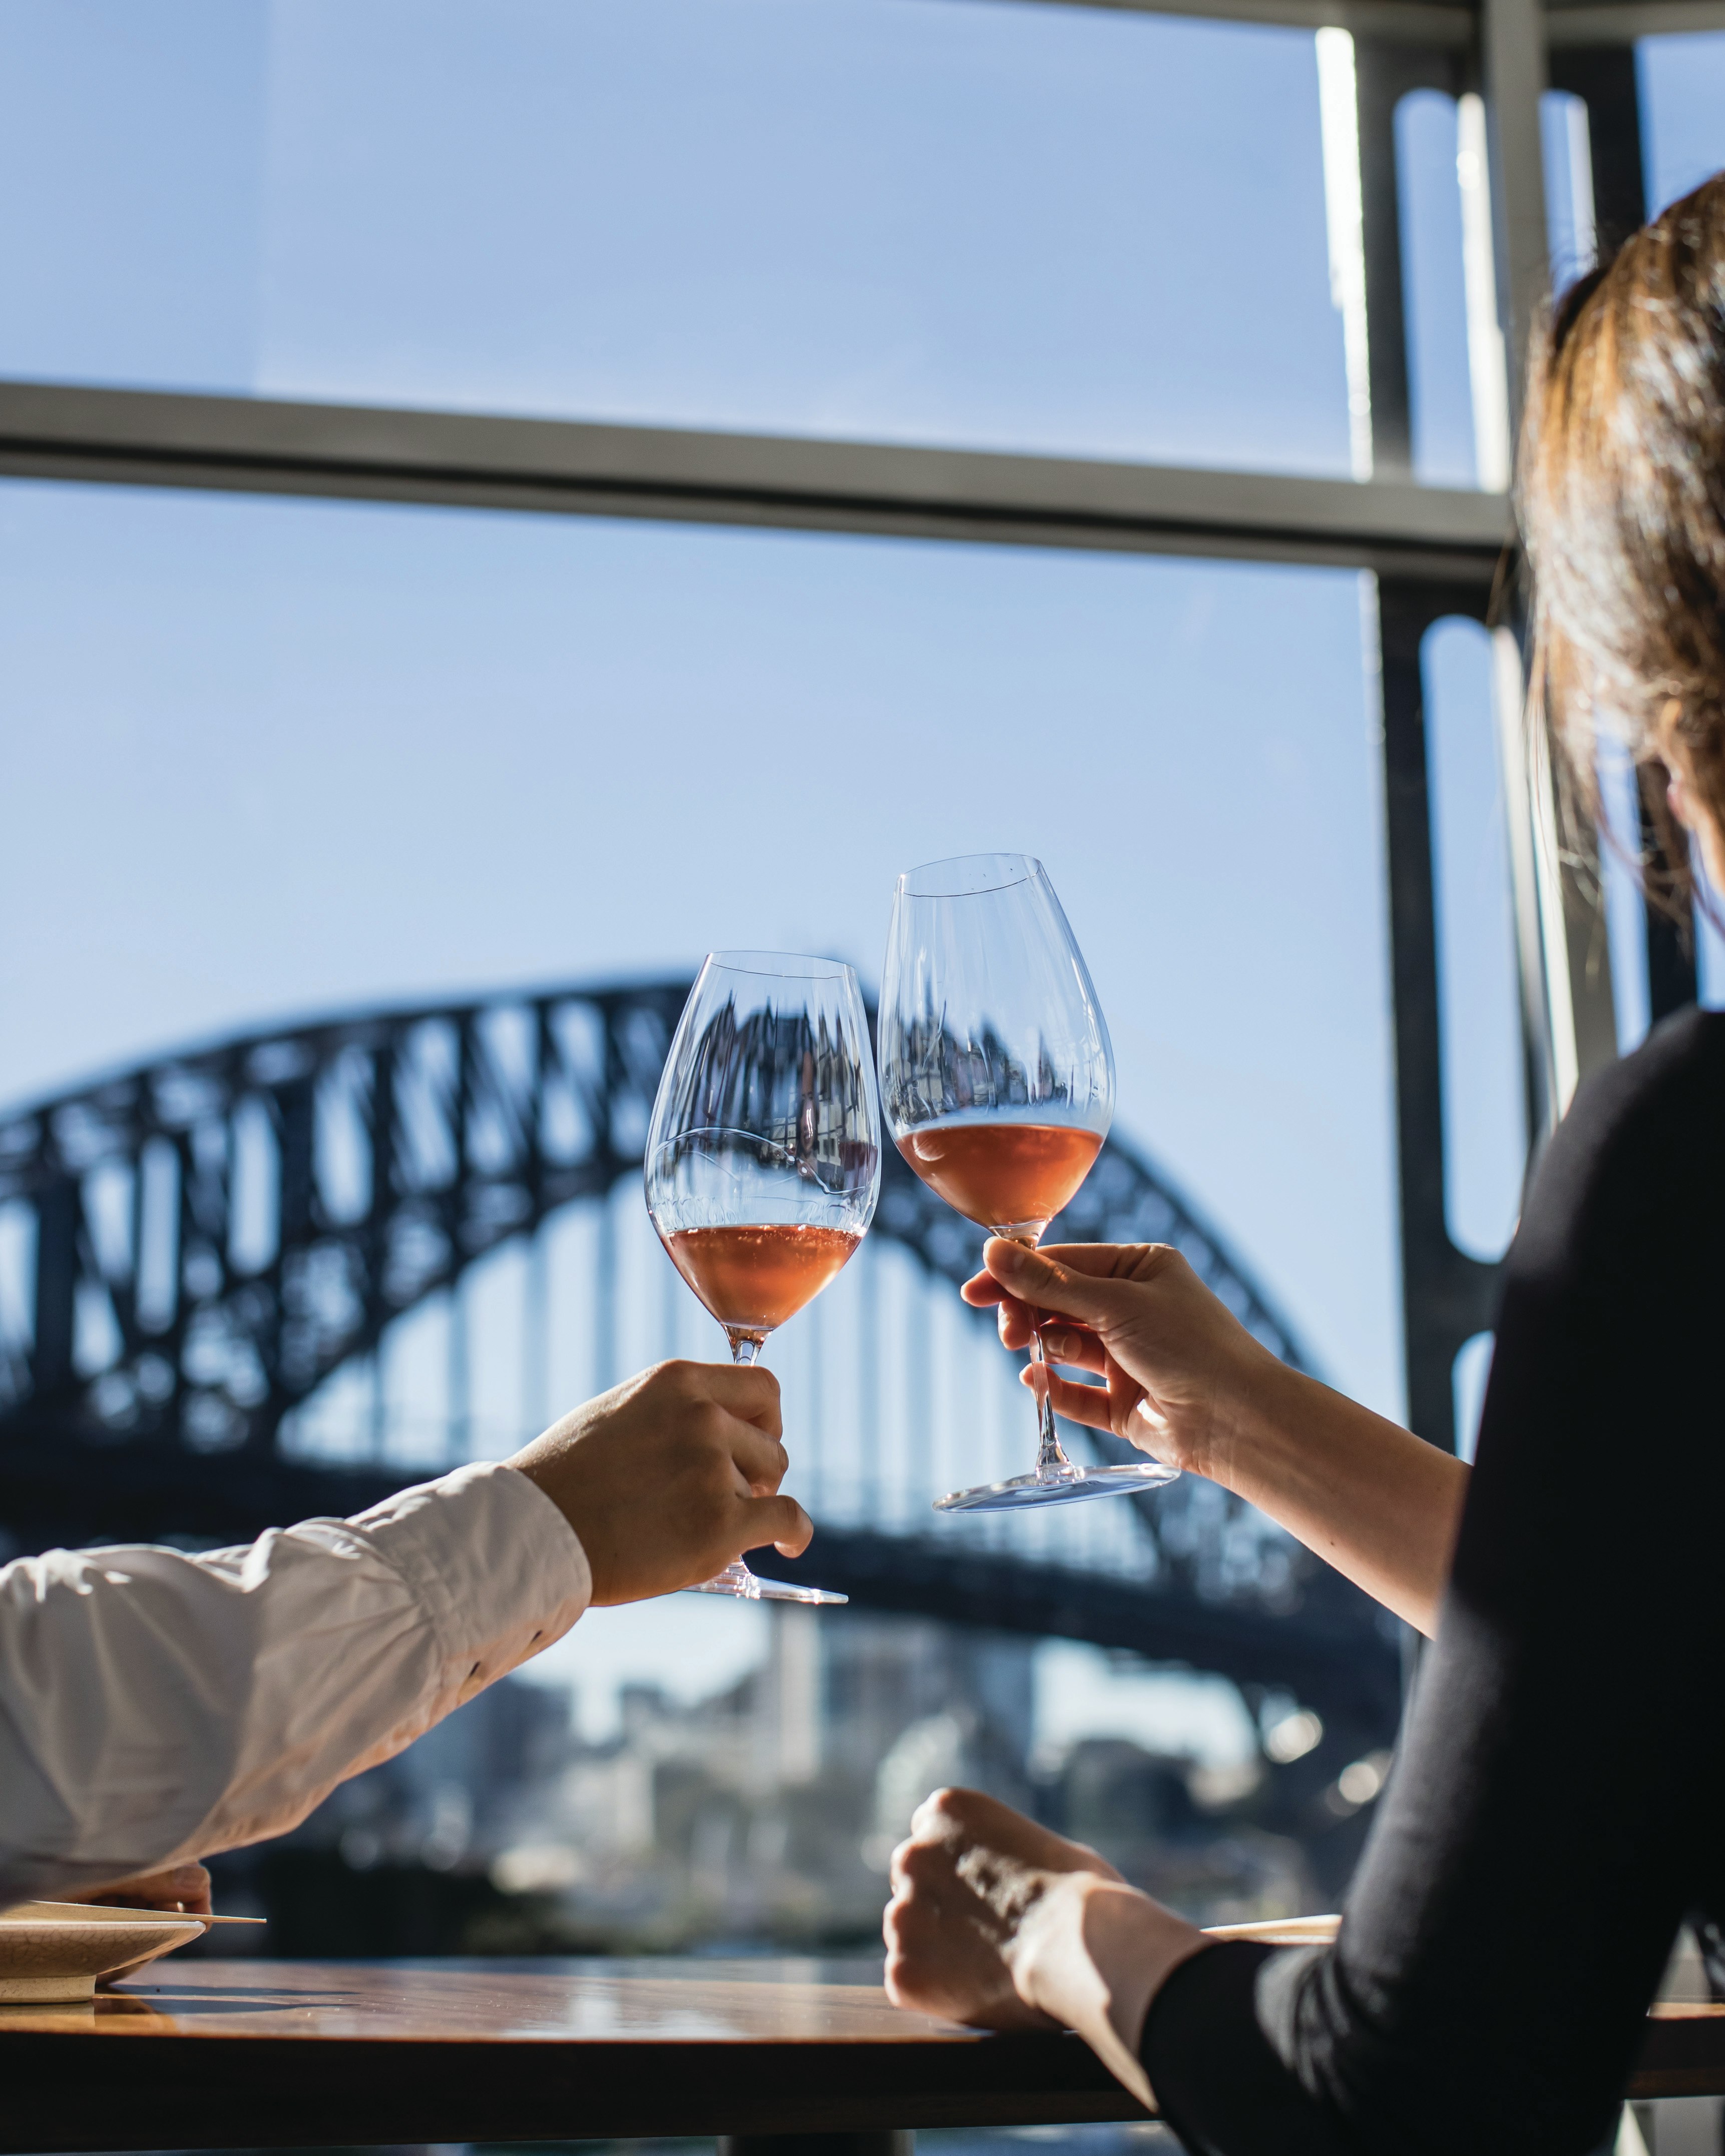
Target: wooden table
(211, 2054)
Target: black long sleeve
(1555, 1808)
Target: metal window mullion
(1446, 1295)
(1568, 1000)
(1572, 23)
(153, 438)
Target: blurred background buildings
(763, 1814)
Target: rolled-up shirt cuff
(156, 1706)
(497, 1569)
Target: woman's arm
(1188, 1383)
(1552, 1814)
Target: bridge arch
(213, 1234)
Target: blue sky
(267, 758)
(329, 753)
(930, 219)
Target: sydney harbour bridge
(204, 1245)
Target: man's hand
(182, 1890)
(995, 1922)
(668, 1477)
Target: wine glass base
(738, 1580)
(1069, 1484)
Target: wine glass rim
(782, 965)
(968, 875)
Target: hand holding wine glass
(997, 1079)
(1181, 1375)
(668, 1475)
(763, 1156)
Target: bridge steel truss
(1432, 552)
(218, 1233)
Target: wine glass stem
(737, 1579)
(1050, 1460)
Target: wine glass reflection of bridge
(227, 1277)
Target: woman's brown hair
(1623, 508)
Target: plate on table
(1282, 1931)
(53, 1951)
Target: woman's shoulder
(1677, 1074)
(1641, 1151)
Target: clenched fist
(996, 1922)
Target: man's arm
(156, 1706)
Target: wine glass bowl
(1009, 1177)
(763, 1153)
(755, 1231)
(997, 1084)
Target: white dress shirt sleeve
(156, 1707)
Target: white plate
(51, 1951)
(1282, 1931)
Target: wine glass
(997, 1078)
(763, 1156)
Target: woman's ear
(1668, 744)
(1684, 798)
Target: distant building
(769, 1810)
(767, 1813)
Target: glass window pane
(1440, 386)
(1683, 82)
(1709, 941)
(1473, 1368)
(1625, 909)
(1570, 231)
(1710, 956)
(321, 754)
(1054, 228)
(1485, 1110)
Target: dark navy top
(1558, 1804)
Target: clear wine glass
(763, 1156)
(997, 1078)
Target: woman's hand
(1181, 1372)
(1184, 1381)
(668, 1477)
(998, 1922)
(968, 1888)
